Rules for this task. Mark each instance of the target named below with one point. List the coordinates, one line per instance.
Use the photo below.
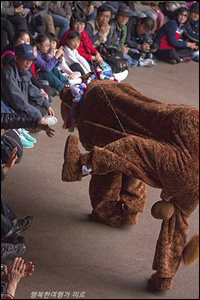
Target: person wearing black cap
(118, 29)
(140, 41)
(18, 91)
(192, 27)
(172, 48)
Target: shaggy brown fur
(159, 145)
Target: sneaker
(28, 136)
(15, 239)
(75, 81)
(54, 92)
(10, 251)
(22, 224)
(186, 59)
(121, 76)
(148, 62)
(25, 142)
(173, 62)
(195, 56)
(51, 120)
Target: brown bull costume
(136, 140)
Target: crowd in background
(47, 46)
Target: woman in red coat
(86, 48)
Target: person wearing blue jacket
(18, 91)
(172, 48)
(47, 65)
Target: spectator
(191, 33)
(114, 6)
(192, 26)
(98, 29)
(118, 31)
(39, 20)
(7, 33)
(73, 77)
(11, 244)
(89, 8)
(75, 61)
(22, 37)
(47, 65)
(86, 48)
(25, 98)
(151, 10)
(172, 48)
(139, 41)
(61, 14)
(14, 11)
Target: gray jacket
(62, 8)
(18, 91)
(7, 8)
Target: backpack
(9, 141)
(116, 61)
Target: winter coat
(18, 91)
(117, 36)
(169, 35)
(15, 121)
(95, 36)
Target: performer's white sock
(86, 170)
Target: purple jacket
(46, 64)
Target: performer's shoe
(72, 168)
(159, 284)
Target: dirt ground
(74, 257)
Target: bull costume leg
(116, 198)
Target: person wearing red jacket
(86, 48)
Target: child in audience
(73, 77)
(75, 61)
(47, 64)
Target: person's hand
(17, 271)
(72, 76)
(44, 94)
(98, 58)
(59, 52)
(42, 121)
(104, 29)
(90, 10)
(29, 269)
(104, 51)
(12, 159)
(68, 17)
(192, 45)
(50, 111)
(49, 130)
(19, 10)
(93, 57)
(125, 50)
(14, 275)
